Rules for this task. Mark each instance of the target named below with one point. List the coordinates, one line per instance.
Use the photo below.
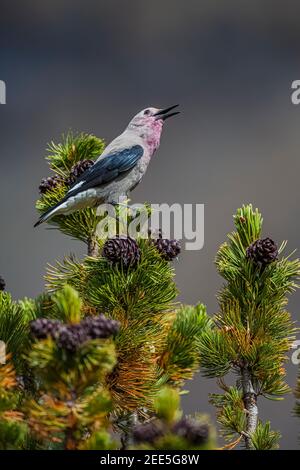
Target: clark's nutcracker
(119, 168)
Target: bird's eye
(147, 112)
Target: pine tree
(252, 332)
(157, 342)
(70, 405)
(94, 351)
(99, 360)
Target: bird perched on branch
(119, 168)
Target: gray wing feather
(107, 169)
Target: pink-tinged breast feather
(153, 138)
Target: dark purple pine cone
(43, 327)
(48, 184)
(100, 327)
(147, 432)
(190, 429)
(78, 169)
(169, 249)
(2, 284)
(71, 337)
(122, 251)
(262, 252)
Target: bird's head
(149, 122)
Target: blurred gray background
(91, 65)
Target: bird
(120, 167)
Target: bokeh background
(90, 65)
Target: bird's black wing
(107, 169)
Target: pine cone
(147, 432)
(169, 249)
(262, 252)
(2, 284)
(71, 337)
(122, 251)
(78, 169)
(43, 327)
(191, 430)
(100, 327)
(48, 184)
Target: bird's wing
(103, 171)
(107, 169)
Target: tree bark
(250, 402)
(70, 443)
(93, 249)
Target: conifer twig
(93, 249)
(231, 445)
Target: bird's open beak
(165, 113)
